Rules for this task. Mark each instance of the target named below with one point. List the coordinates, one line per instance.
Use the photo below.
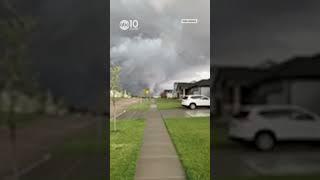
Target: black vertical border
(211, 93)
(107, 85)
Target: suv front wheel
(193, 106)
(265, 141)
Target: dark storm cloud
(249, 31)
(69, 48)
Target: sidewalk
(158, 158)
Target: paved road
(80, 157)
(37, 140)
(158, 158)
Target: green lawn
(124, 149)
(191, 137)
(144, 105)
(163, 104)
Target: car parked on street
(194, 101)
(266, 125)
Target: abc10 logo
(131, 24)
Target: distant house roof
(167, 90)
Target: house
(201, 87)
(231, 85)
(23, 103)
(26, 103)
(295, 82)
(168, 93)
(119, 94)
(180, 89)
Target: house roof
(295, 68)
(304, 67)
(183, 85)
(239, 75)
(298, 67)
(203, 82)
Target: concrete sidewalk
(158, 158)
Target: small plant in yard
(114, 86)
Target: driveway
(287, 158)
(185, 112)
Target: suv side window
(276, 113)
(288, 113)
(204, 98)
(301, 116)
(195, 97)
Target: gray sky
(247, 32)
(70, 43)
(162, 50)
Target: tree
(15, 75)
(114, 87)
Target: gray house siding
(277, 92)
(306, 93)
(205, 91)
(193, 91)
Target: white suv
(265, 125)
(193, 101)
